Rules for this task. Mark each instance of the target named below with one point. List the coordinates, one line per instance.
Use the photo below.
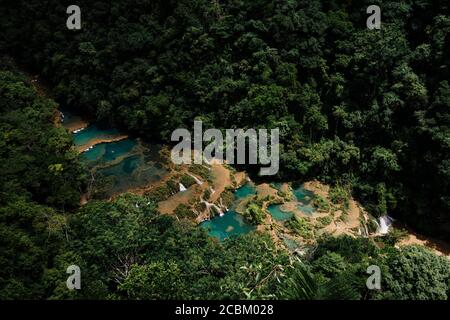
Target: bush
(329, 265)
(201, 170)
(324, 221)
(394, 236)
(415, 273)
(187, 180)
(206, 194)
(321, 204)
(301, 227)
(254, 213)
(339, 195)
(352, 249)
(172, 185)
(182, 211)
(200, 206)
(160, 193)
(227, 198)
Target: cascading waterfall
(212, 205)
(199, 182)
(363, 229)
(78, 130)
(384, 224)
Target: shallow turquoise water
(245, 191)
(118, 166)
(304, 197)
(278, 214)
(131, 172)
(231, 224)
(94, 154)
(105, 152)
(307, 209)
(93, 132)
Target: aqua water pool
(278, 214)
(231, 224)
(93, 132)
(245, 191)
(105, 152)
(304, 198)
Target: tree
(155, 281)
(415, 273)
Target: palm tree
(302, 285)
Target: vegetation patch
(321, 204)
(255, 213)
(325, 221)
(300, 226)
(187, 181)
(182, 211)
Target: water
(131, 172)
(385, 224)
(304, 197)
(117, 166)
(105, 152)
(93, 132)
(231, 224)
(245, 191)
(306, 209)
(278, 214)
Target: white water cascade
(78, 130)
(209, 205)
(385, 224)
(199, 182)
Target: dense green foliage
(254, 213)
(367, 111)
(416, 273)
(127, 250)
(339, 266)
(365, 107)
(40, 178)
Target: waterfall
(363, 229)
(182, 188)
(78, 130)
(385, 224)
(87, 149)
(196, 179)
(209, 205)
